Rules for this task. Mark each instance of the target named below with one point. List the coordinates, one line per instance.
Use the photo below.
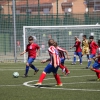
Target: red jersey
(78, 47)
(61, 52)
(52, 50)
(98, 53)
(31, 49)
(93, 47)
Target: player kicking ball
(52, 66)
(78, 51)
(96, 65)
(33, 51)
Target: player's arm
(44, 61)
(23, 52)
(94, 58)
(54, 58)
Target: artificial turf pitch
(80, 84)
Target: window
(68, 10)
(29, 11)
(46, 11)
(97, 7)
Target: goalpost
(64, 35)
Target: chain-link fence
(39, 13)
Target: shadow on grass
(92, 80)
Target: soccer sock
(98, 75)
(57, 77)
(89, 63)
(27, 69)
(42, 76)
(61, 66)
(66, 69)
(33, 67)
(97, 70)
(74, 60)
(87, 56)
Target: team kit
(58, 55)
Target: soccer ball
(15, 74)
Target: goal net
(64, 35)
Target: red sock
(98, 75)
(61, 66)
(66, 70)
(42, 76)
(97, 70)
(57, 77)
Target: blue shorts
(91, 56)
(50, 68)
(62, 60)
(96, 65)
(78, 53)
(30, 60)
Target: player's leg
(32, 66)
(48, 69)
(95, 68)
(80, 56)
(87, 53)
(62, 65)
(57, 77)
(74, 59)
(27, 68)
(90, 60)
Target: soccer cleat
(36, 71)
(59, 84)
(98, 79)
(80, 63)
(25, 75)
(38, 83)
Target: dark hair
(91, 37)
(30, 38)
(84, 36)
(99, 42)
(51, 42)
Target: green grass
(78, 85)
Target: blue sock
(87, 56)
(89, 63)
(27, 69)
(74, 60)
(33, 67)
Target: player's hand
(94, 58)
(68, 57)
(43, 61)
(21, 54)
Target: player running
(62, 59)
(93, 47)
(85, 46)
(78, 51)
(96, 65)
(53, 65)
(33, 51)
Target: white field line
(9, 85)
(70, 89)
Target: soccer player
(85, 46)
(33, 51)
(96, 65)
(93, 47)
(62, 59)
(78, 51)
(53, 65)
